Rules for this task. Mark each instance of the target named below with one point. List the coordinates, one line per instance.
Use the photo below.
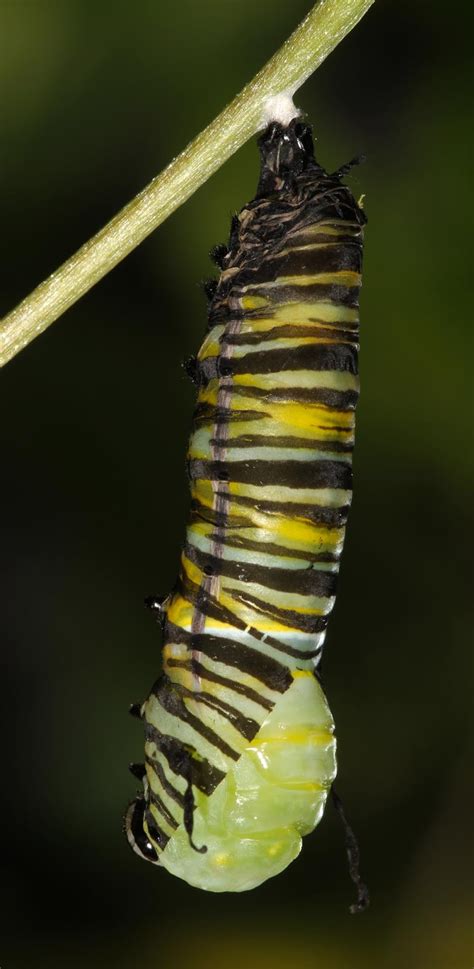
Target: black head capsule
(285, 152)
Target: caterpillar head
(285, 152)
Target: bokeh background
(94, 100)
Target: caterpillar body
(239, 739)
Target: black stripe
(244, 725)
(232, 653)
(204, 775)
(335, 293)
(270, 440)
(207, 604)
(165, 783)
(160, 805)
(134, 824)
(167, 696)
(212, 609)
(300, 581)
(305, 262)
(204, 673)
(289, 474)
(336, 399)
(288, 617)
(271, 548)
(156, 833)
(316, 357)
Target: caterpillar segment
(240, 746)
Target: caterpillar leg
(157, 605)
(135, 710)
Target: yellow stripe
(304, 736)
(342, 278)
(313, 312)
(312, 379)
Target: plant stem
(319, 33)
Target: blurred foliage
(94, 100)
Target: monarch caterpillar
(239, 739)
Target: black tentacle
(188, 816)
(353, 858)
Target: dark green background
(95, 99)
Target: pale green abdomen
(254, 821)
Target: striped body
(239, 738)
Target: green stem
(322, 29)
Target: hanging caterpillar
(239, 739)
